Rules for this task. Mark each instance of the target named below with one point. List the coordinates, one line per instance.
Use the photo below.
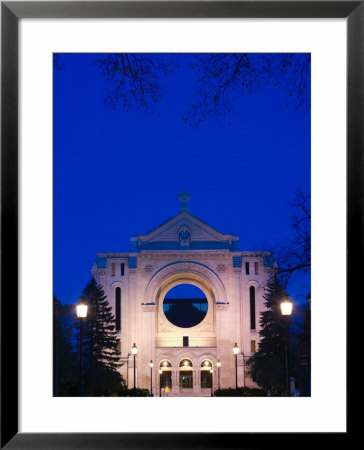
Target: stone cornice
(149, 307)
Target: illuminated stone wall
(185, 250)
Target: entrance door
(186, 379)
(165, 379)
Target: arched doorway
(185, 370)
(206, 374)
(165, 374)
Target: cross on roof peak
(184, 197)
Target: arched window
(118, 308)
(165, 374)
(165, 364)
(252, 307)
(185, 374)
(206, 364)
(206, 375)
(185, 363)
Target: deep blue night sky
(117, 174)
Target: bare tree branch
(225, 77)
(295, 255)
(134, 80)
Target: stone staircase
(187, 394)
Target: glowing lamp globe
(286, 308)
(81, 310)
(134, 349)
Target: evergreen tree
(267, 366)
(65, 380)
(100, 344)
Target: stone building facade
(185, 250)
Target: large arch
(196, 273)
(185, 272)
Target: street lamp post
(236, 351)
(134, 351)
(211, 371)
(151, 377)
(81, 310)
(243, 367)
(160, 384)
(218, 364)
(286, 309)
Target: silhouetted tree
(224, 77)
(101, 344)
(267, 366)
(305, 352)
(134, 79)
(65, 363)
(295, 254)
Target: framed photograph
(158, 160)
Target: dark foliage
(267, 366)
(65, 364)
(101, 344)
(100, 350)
(102, 382)
(240, 392)
(305, 352)
(139, 392)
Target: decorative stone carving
(184, 236)
(221, 268)
(148, 268)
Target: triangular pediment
(184, 232)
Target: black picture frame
(11, 12)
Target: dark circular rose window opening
(185, 305)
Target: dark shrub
(240, 392)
